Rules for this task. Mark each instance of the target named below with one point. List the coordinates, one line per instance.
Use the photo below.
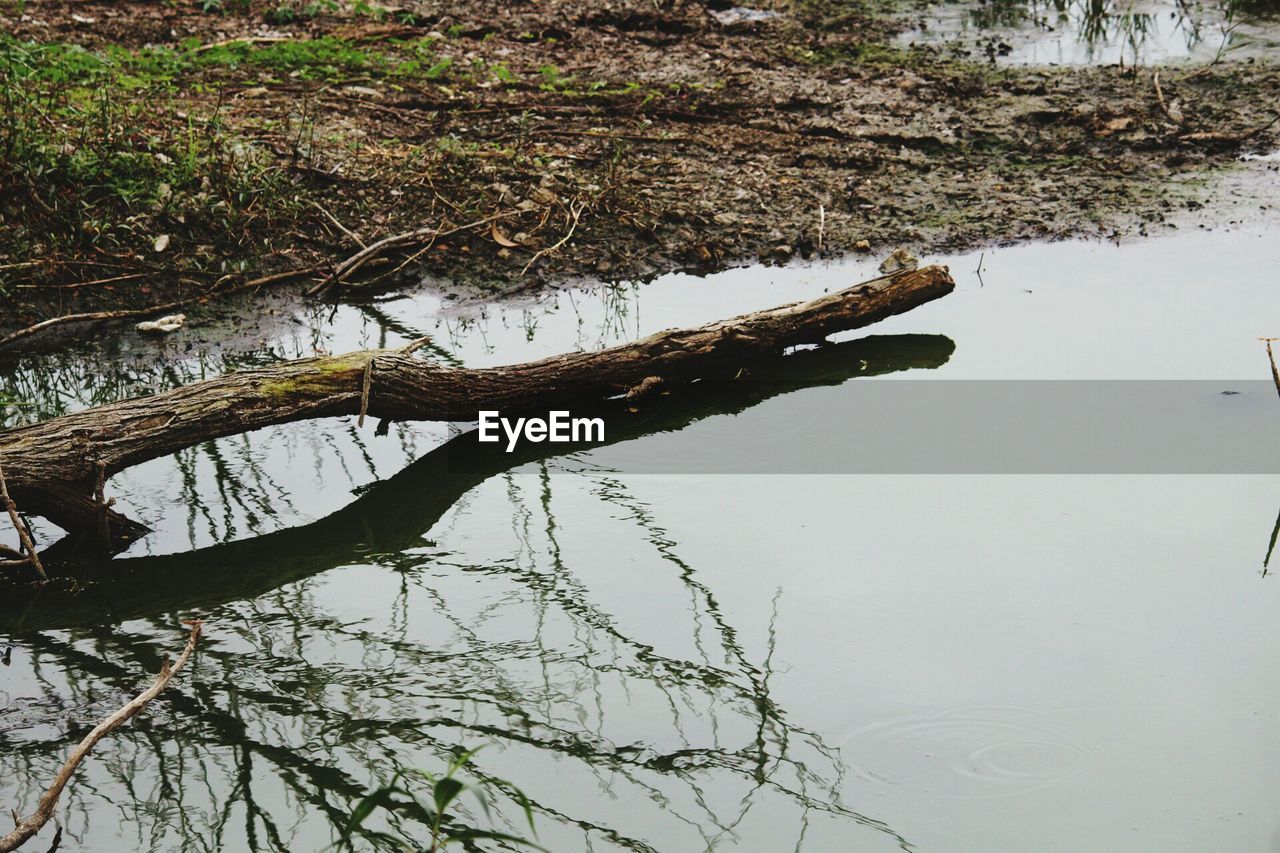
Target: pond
(666, 653)
(1100, 32)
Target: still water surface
(1100, 32)
(686, 661)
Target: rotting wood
(53, 467)
(27, 827)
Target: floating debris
(164, 325)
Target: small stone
(862, 246)
(899, 261)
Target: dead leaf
(1116, 125)
(542, 195)
(501, 239)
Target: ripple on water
(967, 751)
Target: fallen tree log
(56, 469)
(396, 513)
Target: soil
(625, 138)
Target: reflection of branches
(1099, 23)
(52, 384)
(301, 707)
(772, 729)
(25, 828)
(386, 323)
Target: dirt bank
(167, 158)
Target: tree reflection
(343, 651)
(1100, 23)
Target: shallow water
(682, 661)
(1100, 32)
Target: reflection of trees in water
(225, 488)
(1104, 22)
(294, 707)
(49, 384)
(233, 487)
(344, 650)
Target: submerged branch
(29, 826)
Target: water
(687, 660)
(1101, 32)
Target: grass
(96, 155)
(439, 823)
(104, 151)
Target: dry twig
(1222, 136)
(242, 40)
(1164, 107)
(344, 229)
(371, 251)
(1275, 371)
(575, 211)
(21, 526)
(29, 826)
(365, 387)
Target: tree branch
(29, 826)
(53, 466)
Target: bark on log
(53, 467)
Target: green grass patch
(95, 153)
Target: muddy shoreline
(620, 141)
